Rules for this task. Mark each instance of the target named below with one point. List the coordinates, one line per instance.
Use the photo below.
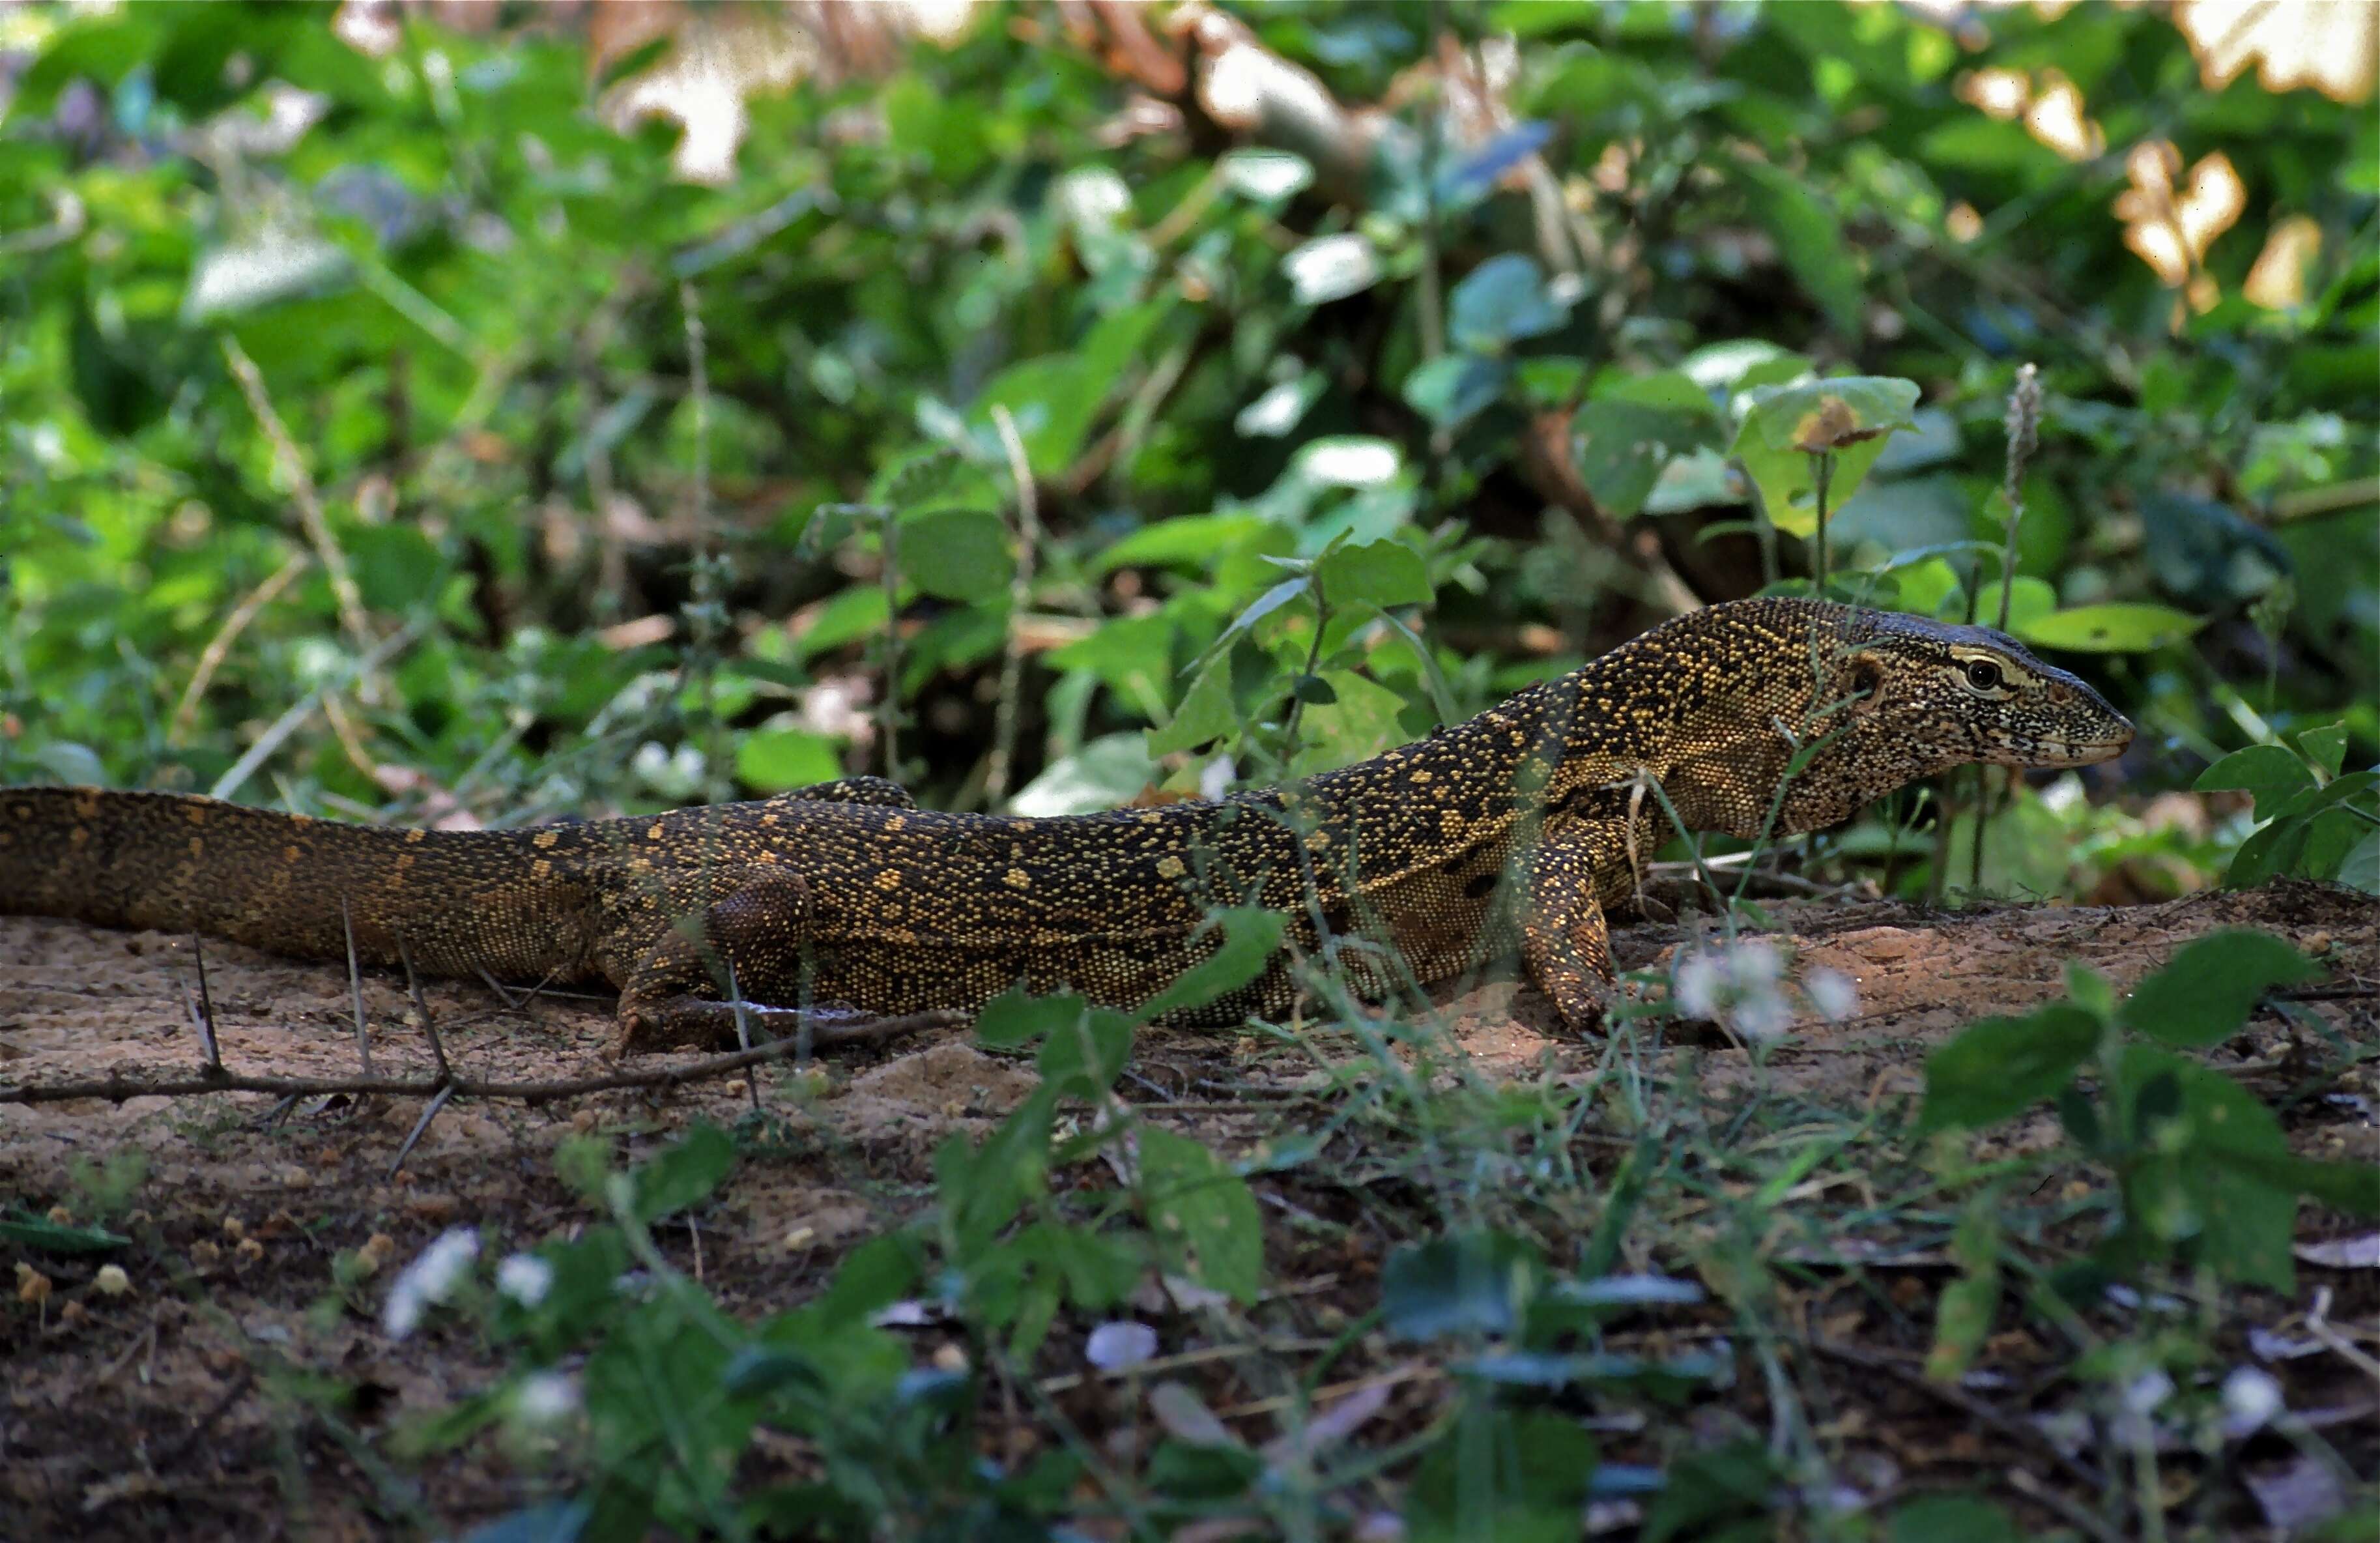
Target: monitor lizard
(1519, 827)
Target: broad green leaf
(960, 555)
(2360, 868)
(2001, 1067)
(1083, 1056)
(1363, 718)
(2030, 599)
(771, 760)
(1106, 772)
(1377, 573)
(685, 1173)
(2325, 747)
(1502, 302)
(1854, 414)
(2116, 628)
(1953, 1519)
(1466, 1285)
(1266, 177)
(2271, 774)
(2199, 1191)
(1185, 541)
(1452, 390)
(1621, 447)
(1516, 1476)
(1251, 937)
(1017, 1017)
(1811, 237)
(1206, 713)
(1198, 1208)
(2206, 994)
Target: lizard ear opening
(1864, 683)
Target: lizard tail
(513, 902)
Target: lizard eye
(1984, 675)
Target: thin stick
(218, 648)
(117, 1088)
(206, 1015)
(356, 988)
(1020, 594)
(2023, 438)
(421, 1008)
(429, 1112)
(292, 466)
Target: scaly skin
(846, 896)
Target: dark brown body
(845, 896)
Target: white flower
(1695, 990)
(544, 1398)
(428, 1280)
(1114, 1346)
(1833, 993)
(2250, 1400)
(525, 1278)
(2144, 1393)
(1763, 1015)
(1753, 964)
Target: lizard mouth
(2078, 752)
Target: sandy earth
(157, 1408)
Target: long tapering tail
(513, 902)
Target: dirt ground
(176, 1405)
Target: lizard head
(1902, 697)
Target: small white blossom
(1695, 990)
(1763, 1017)
(544, 1398)
(1833, 993)
(2250, 1400)
(1114, 1346)
(525, 1278)
(428, 1280)
(1753, 964)
(2144, 1393)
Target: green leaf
(1852, 413)
(2029, 600)
(1952, 1519)
(1198, 1209)
(1183, 542)
(2271, 774)
(1331, 268)
(2360, 868)
(1016, 1017)
(1501, 302)
(2206, 994)
(1362, 720)
(1206, 714)
(771, 760)
(1621, 447)
(685, 1173)
(1377, 573)
(2116, 628)
(2325, 747)
(1452, 390)
(1464, 1285)
(2198, 1191)
(1999, 1067)
(1251, 937)
(1084, 1055)
(1810, 239)
(1106, 772)
(1515, 1477)
(960, 555)
(26, 1230)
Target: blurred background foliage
(471, 413)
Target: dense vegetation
(388, 435)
